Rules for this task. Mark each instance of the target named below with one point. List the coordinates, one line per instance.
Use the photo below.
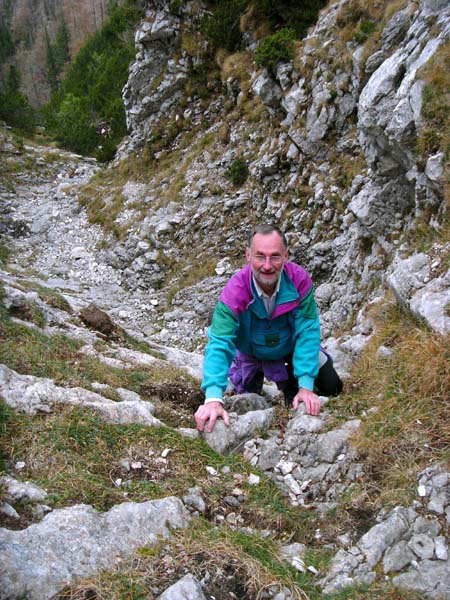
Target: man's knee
(255, 385)
(328, 382)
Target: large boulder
(78, 542)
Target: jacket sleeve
(219, 351)
(307, 341)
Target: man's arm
(219, 351)
(219, 354)
(306, 352)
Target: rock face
(157, 40)
(32, 395)
(412, 548)
(31, 24)
(39, 561)
(416, 290)
(334, 152)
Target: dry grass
(238, 66)
(356, 12)
(408, 426)
(434, 136)
(235, 565)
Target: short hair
(265, 229)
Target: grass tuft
(406, 399)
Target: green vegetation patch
(238, 171)
(221, 28)
(85, 113)
(15, 109)
(295, 14)
(275, 49)
(6, 42)
(435, 134)
(57, 55)
(77, 457)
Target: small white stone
(136, 465)
(253, 479)
(286, 467)
(440, 548)
(9, 511)
(19, 465)
(231, 518)
(312, 569)
(422, 491)
(298, 564)
(118, 482)
(165, 452)
(211, 470)
(293, 485)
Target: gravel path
(61, 248)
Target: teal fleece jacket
(240, 322)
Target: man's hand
(211, 412)
(309, 398)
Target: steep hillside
(109, 275)
(346, 147)
(33, 27)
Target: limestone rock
(224, 439)
(32, 395)
(39, 561)
(187, 588)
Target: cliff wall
(333, 144)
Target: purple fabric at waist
(244, 368)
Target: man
(266, 324)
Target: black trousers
(327, 382)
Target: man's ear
(247, 254)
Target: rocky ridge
(331, 159)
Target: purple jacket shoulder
(238, 295)
(299, 277)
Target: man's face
(267, 256)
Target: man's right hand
(211, 412)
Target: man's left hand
(309, 398)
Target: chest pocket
(271, 340)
